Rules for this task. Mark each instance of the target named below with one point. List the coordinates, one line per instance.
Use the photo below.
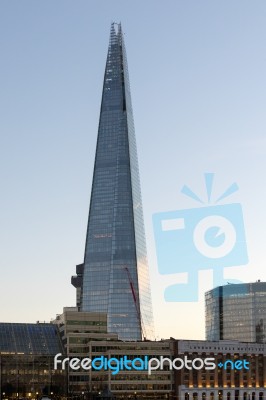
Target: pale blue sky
(197, 72)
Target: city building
(27, 366)
(85, 335)
(27, 361)
(114, 277)
(236, 312)
(225, 382)
(113, 315)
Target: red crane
(142, 327)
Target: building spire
(115, 245)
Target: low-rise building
(28, 366)
(26, 361)
(225, 381)
(85, 335)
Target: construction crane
(131, 283)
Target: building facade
(27, 361)
(114, 277)
(236, 312)
(28, 351)
(225, 382)
(85, 335)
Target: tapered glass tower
(114, 277)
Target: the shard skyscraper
(114, 277)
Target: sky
(197, 74)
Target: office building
(27, 369)
(236, 312)
(113, 311)
(85, 335)
(114, 277)
(225, 382)
(27, 359)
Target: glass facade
(16, 338)
(25, 376)
(27, 361)
(237, 312)
(115, 275)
